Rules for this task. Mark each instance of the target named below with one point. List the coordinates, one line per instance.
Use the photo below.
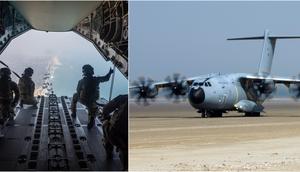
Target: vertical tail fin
(267, 54)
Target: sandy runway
(167, 136)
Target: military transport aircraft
(215, 94)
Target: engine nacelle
(152, 91)
(269, 86)
(294, 90)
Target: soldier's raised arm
(106, 77)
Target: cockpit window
(205, 84)
(209, 84)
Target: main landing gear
(251, 114)
(210, 113)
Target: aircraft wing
(278, 80)
(164, 84)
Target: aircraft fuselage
(220, 92)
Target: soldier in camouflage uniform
(27, 86)
(9, 96)
(87, 92)
(115, 128)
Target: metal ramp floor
(48, 138)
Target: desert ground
(172, 136)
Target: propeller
(264, 88)
(143, 90)
(178, 87)
(294, 89)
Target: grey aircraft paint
(214, 94)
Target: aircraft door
(223, 97)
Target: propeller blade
(177, 86)
(142, 90)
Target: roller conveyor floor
(48, 138)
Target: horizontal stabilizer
(262, 37)
(268, 50)
(246, 38)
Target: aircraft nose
(196, 95)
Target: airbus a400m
(214, 94)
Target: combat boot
(108, 149)
(1, 133)
(91, 122)
(35, 106)
(21, 104)
(11, 115)
(1, 127)
(73, 113)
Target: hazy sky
(68, 52)
(190, 37)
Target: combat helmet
(28, 71)
(5, 72)
(87, 70)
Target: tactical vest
(89, 91)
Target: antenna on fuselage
(267, 51)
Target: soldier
(115, 128)
(26, 86)
(87, 92)
(9, 96)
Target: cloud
(55, 61)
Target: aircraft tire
(212, 114)
(204, 113)
(252, 114)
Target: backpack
(5, 89)
(119, 120)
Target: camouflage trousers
(92, 107)
(6, 111)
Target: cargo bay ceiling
(104, 23)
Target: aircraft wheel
(211, 114)
(218, 114)
(252, 114)
(204, 114)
